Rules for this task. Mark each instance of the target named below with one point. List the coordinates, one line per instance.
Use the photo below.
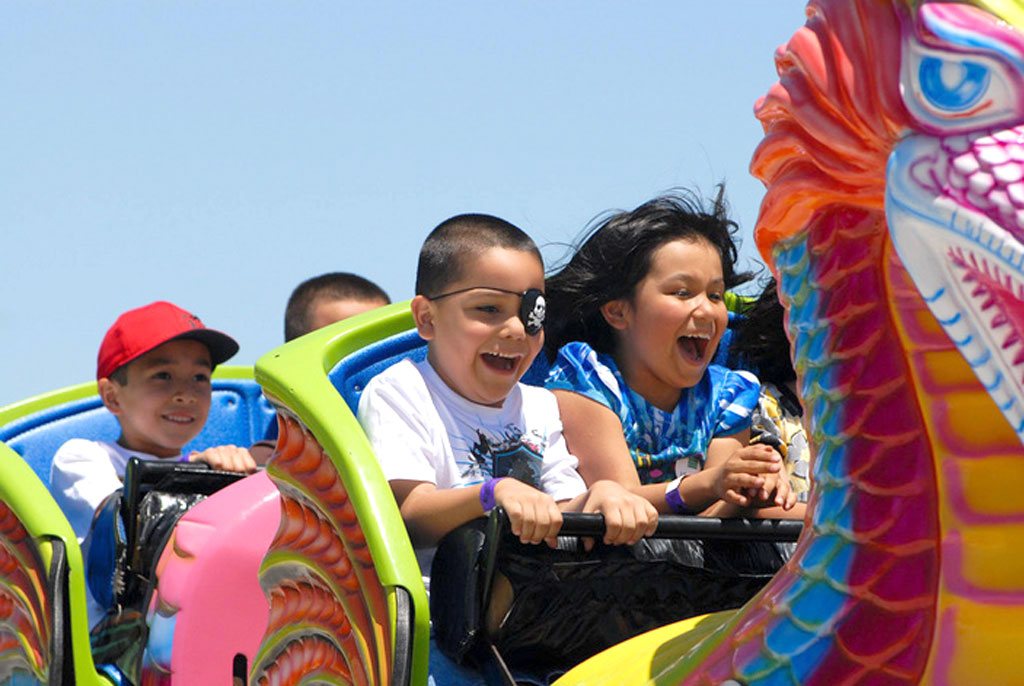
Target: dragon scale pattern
(328, 610)
(24, 606)
(972, 467)
(857, 598)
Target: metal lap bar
(690, 527)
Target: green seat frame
(330, 482)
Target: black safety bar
(691, 527)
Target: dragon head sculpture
(935, 140)
(894, 217)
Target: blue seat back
(239, 415)
(354, 371)
(722, 354)
(727, 355)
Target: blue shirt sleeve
(577, 369)
(736, 395)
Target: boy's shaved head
(456, 241)
(300, 313)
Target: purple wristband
(487, 493)
(675, 499)
(185, 458)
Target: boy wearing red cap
(153, 373)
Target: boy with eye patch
(457, 434)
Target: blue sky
(215, 154)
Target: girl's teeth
(694, 346)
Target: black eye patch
(532, 310)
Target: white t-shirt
(422, 430)
(83, 474)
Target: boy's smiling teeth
(178, 419)
(501, 362)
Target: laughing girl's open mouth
(693, 347)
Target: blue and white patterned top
(663, 444)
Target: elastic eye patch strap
(532, 307)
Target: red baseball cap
(138, 331)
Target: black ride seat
(496, 602)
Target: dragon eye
(953, 86)
(961, 70)
(954, 91)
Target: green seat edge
(295, 375)
(30, 500)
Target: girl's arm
(628, 517)
(775, 486)
(798, 511)
(593, 434)
(724, 510)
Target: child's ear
(616, 313)
(110, 394)
(423, 315)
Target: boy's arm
(798, 511)
(395, 414)
(228, 458)
(430, 513)
(81, 477)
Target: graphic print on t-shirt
(509, 454)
